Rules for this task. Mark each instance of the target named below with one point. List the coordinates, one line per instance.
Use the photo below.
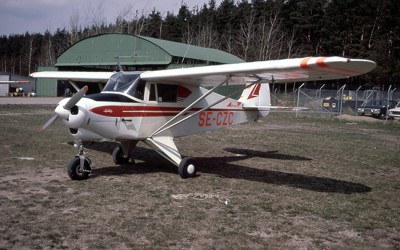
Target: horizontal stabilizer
(269, 108)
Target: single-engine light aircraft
(156, 106)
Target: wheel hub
(190, 169)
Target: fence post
(340, 91)
(387, 104)
(319, 95)
(391, 93)
(356, 107)
(298, 99)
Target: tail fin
(257, 97)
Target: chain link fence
(331, 102)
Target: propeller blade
(48, 123)
(75, 98)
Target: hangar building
(101, 52)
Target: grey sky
(19, 16)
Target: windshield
(128, 83)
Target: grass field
(281, 183)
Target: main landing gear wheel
(187, 168)
(75, 172)
(118, 156)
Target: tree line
(252, 30)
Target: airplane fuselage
(109, 118)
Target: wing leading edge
(285, 70)
(74, 76)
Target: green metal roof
(193, 52)
(136, 50)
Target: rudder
(257, 97)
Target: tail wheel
(75, 172)
(187, 168)
(118, 156)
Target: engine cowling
(76, 117)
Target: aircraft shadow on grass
(224, 168)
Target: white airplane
(156, 106)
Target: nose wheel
(80, 167)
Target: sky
(37, 16)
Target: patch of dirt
(352, 118)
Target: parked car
(376, 108)
(395, 112)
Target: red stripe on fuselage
(144, 111)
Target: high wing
(285, 70)
(74, 76)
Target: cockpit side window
(152, 96)
(137, 89)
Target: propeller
(65, 111)
(75, 98)
(48, 123)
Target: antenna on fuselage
(119, 63)
(184, 56)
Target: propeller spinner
(64, 112)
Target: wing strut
(162, 128)
(74, 85)
(168, 124)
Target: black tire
(187, 168)
(118, 156)
(74, 171)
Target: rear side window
(167, 93)
(163, 92)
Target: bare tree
(95, 16)
(125, 20)
(188, 34)
(47, 55)
(74, 27)
(13, 62)
(207, 36)
(28, 55)
(141, 23)
(269, 37)
(290, 42)
(246, 35)
(4, 64)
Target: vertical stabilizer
(257, 97)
